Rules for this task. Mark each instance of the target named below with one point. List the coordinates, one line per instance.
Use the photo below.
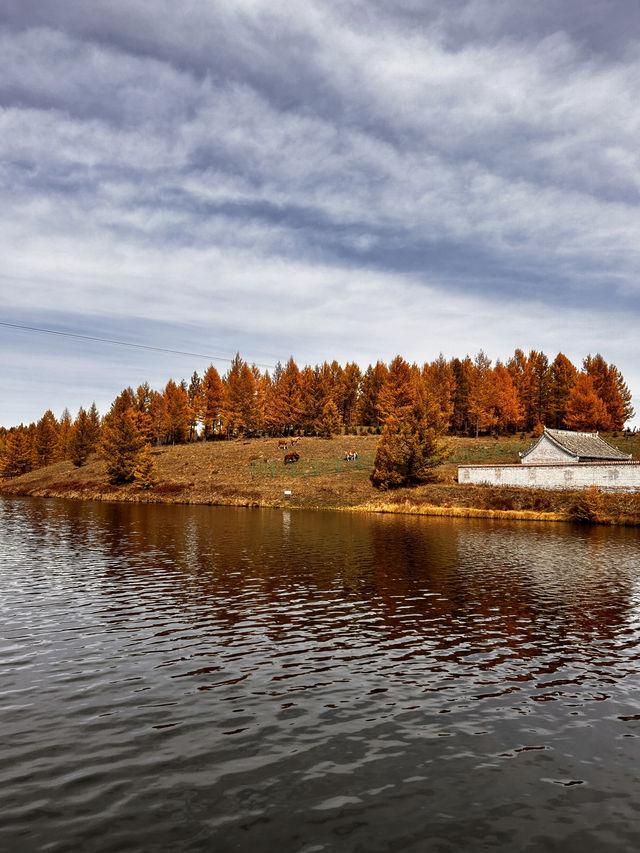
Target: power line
(123, 343)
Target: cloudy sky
(321, 179)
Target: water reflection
(226, 678)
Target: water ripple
(201, 678)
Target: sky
(323, 180)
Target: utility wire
(123, 343)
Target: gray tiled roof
(585, 444)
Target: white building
(562, 445)
(561, 459)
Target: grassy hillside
(251, 473)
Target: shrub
(588, 506)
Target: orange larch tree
(159, 418)
(196, 399)
(18, 452)
(398, 392)
(232, 401)
(462, 371)
(45, 444)
(285, 410)
(508, 408)
(178, 413)
(213, 395)
(482, 395)
(82, 440)
(121, 441)
(310, 409)
(586, 411)
(564, 376)
(369, 400)
(65, 426)
(610, 387)
(439, 381)
(348, 389)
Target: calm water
(195, 678)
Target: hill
(250, 473)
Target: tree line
(466, 396)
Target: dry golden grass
(216, 472)
(220, 473)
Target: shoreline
(405, 507)
(220, 474)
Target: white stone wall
(609, 476)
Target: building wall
(547, 451)
(611, 476)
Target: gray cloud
(241, 172)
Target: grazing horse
(351, 455)
(290, 458)
(282, 444)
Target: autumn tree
(482, 395)
(439, 382)
(610, 387)
(18, 453)
(623, 410)
(348, 388)
(94, 417)
(369, 399)
(212, 401)
(521, 371)
(178, 415)
(83, 438)
(310, 408)
(142, 415)
(397, 394)
(45, 443)
(195, 394)
(585, 410)
(407, 453)
(121, 441)
(329, 421)
(541, 388)
(564, 376)
(327, 390)
(158, 415)
(260, 396)
(237, 402)
(462, 372)
(285, 410)
(145, 473)
(65, 428)
(508, 409)
(248, 391)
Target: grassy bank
(220, 473)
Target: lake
(205, 678)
